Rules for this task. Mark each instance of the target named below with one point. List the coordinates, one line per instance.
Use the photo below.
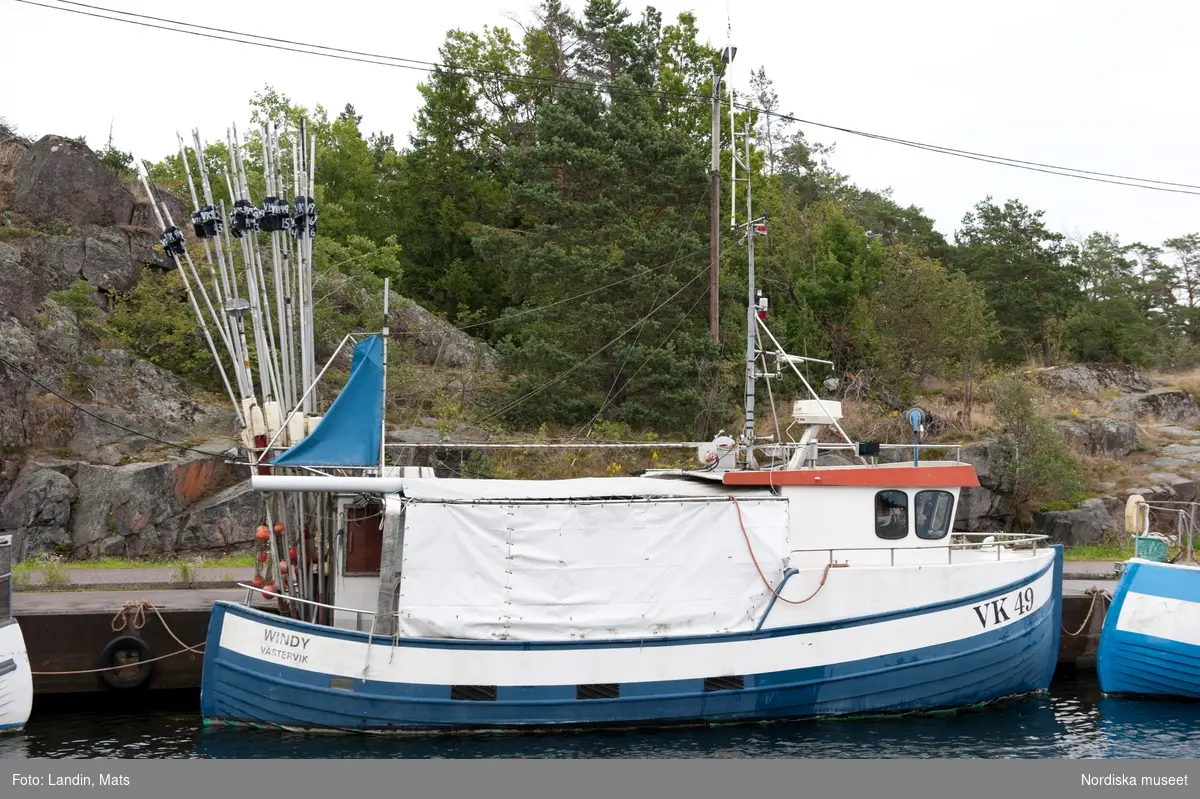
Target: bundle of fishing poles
(268, 289)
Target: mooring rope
(135, 610)
(1096, 594)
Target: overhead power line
(304, 48)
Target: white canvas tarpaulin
(545, 570)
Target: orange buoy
(278, 528)
(263, 532)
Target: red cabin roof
(937, 475)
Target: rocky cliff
(104, 453)
(1135, 435)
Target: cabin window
(364, 539)
(891, 515)
(933, 514)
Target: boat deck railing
(763, 445)
(6, 578)
(831, 447)
(251, 590)
(998, 543)
(1175, 521)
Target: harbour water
(1072, 721)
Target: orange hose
(763, 577)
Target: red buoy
(291, 553)
(268, 589)
(283, 568)
(278, 528)
(257, 581)
(262, 556)
(263, 532)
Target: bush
(1034, 464)
(155, 321)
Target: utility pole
(714, 249)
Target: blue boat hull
(1150, 642)
(244, 688)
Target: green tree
(930, 322)
(1110, 322)
(1025, 272)
(602, 203)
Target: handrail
(999, 543)
(1007, 540)
(1185, 523)
(891, 446)
(627, 445)
(6, 581)
(251, 588)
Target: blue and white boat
(763, 584)
(669, 598)
(1150, 642)
(16, 680)
(726, 593)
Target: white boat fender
(117, 653)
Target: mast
(751, 326)
(753, 227)
(387, 291)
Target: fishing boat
(731, 594)
(764, 583)
(1150, 641)
(16, 680)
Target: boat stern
(1150, 642)
(16, 679)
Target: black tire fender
(120, 678)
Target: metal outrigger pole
(173, 243)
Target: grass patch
(1101, 552)
(14, 233)
(50, 567)
(175, 564)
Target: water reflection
(1072, 721)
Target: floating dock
(78, 635)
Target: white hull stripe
(311, 648)
(1161, 617)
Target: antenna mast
(753, 227)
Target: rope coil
(132, 616)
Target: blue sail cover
(351, 432)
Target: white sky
(1096, 85)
